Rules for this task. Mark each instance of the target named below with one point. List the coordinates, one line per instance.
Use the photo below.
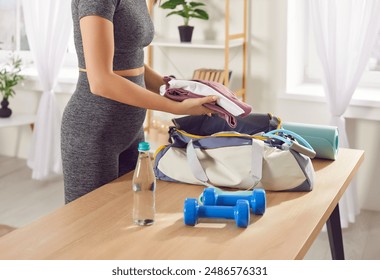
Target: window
(304, 73)
(374, 63)
(12, 36)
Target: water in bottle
(144, 185)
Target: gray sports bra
(133, 29)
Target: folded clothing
(227, 106)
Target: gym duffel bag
(256, 153)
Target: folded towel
(228, 106)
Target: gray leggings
(99, 139)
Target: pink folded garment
(228, 106)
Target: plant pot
(5, 112)
(185, 33)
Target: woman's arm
(153, 80)
(98, 47)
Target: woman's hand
(194, 106)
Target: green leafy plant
(10, 76)
(186, 9)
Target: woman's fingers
(195, 106)
(209, 99)
(205, 100)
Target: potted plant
(9, 78)
(187, 10)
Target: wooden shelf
(175, 43)
(222, 48)
(231, 40)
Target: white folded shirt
(202, 89)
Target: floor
(23, 200)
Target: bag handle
(200, 174)
(305, 148)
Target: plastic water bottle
(144, 185)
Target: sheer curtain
(345, 34)
(48, 26)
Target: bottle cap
(143, 146)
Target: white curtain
(376, 50)
(48, 26)
(345, 34)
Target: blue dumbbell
(192, 211)
(256, 199)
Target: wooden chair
(215, 75)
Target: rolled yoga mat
(324, 139)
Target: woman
(103, 121)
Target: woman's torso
(133, 29)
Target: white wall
(16, 141)
(265, 83)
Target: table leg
(334, 231)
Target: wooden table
(99, 225)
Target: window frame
(301, 85)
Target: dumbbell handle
(231, 199)
(226, 212)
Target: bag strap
(200, 174)
(195, 164)
(305, 148)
